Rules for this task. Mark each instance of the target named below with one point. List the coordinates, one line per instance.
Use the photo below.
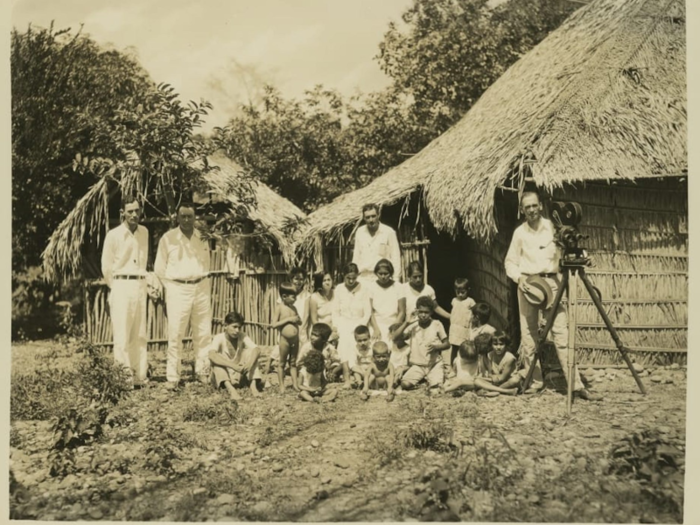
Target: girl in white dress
(388, 301)
(321, 303)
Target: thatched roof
(62, 258)
(602, 97)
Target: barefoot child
(381, 372)
(234, 358)
(318, 340)
(467, 373)
(502, 363)
(286, 319)
(363, 355)
(460, 321)
(312, 382)
(427, 339)
(399, 352)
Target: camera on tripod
(566, 217)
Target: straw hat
(540, 293)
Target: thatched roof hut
(596, 113)
(603, 97)
(278, 219)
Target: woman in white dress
(414, 288)
(351, 308)
(388, 301)
(321, 302)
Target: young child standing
(427, 339)
(234, 358)
(318, 340)
(362, 360)
(480, 321)
(460, 320)
(312, 381)
(399, 352)
(414, 288)
(286, 319)
(381, 373)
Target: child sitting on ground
(381, 372)
(399, 352)
(460, 321)
(468, 373)
(502, 363)
(234, 358)
(427, 339)
(362, 360)
(312, 381)
(481, 313)
(286, 319)
(318, 340)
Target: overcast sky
(201, 47)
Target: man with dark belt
(534, 252)
(124, 259)
(182, 264)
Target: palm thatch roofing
(281, 221)
(603, 97)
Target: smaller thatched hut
(247, 266)
(596, 113)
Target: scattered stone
(225, 499)
(326, 479)
(637, 367)
(96, 514)
(353, 425)
(321, 495)
(315, 443)
(199, 490)
(656, 378)
(430, 454)
(534, 498)
(412, 454)
(347, 483)
(277, 467)
(341, 463)
(300, 473)
(68, 481)
(314, 472)
(668, 381)
(674, 366)
(581, 463)
(263, 508)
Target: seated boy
(381, 372)
(319, 340)
(312, 381)
(468, 373)
(362, 359)
(427, 339)
(481, 313)
(399, 352)
(234, 358)
(502, 363)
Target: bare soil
(191, 455)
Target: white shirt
(420, 339)
(351, 305)
(385, 301)
(181, 258)
(532, 251)
(412, 296)
(221, 344)
(124, 252)
(369, 249)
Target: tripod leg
(547, 328)
(611, 329)
(571, 352)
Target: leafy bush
(33, 313)
(428, 435)
(166, 445)
(75, 428)
(44, 394)
(100, 378)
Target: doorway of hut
(482, 263)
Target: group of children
(473, 357)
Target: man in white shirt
(182, 264)
(124, 259)
(533, 251)
(375, 241)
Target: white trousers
(127, 308)
(529, 325)
(188, 303)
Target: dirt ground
(191, 455)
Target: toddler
(363, 355)
(460, 321)
(286, 319)
(319, 340)
(480, 321)
(381, 373)
(468, 373)
(312, 381)
(399, 352)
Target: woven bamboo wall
(638, 243)
(253, 294)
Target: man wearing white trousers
(124, 259)
(533, 251)
(182, 264)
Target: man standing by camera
(534, 252)
(124, 259)
(375, 241)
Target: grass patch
(215, 409)
(427, 434)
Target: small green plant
(41, 395)
(75, 428)
(100, 378)
(215, 409)
(167, 445)
(428, 434)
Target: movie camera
(566, 217)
